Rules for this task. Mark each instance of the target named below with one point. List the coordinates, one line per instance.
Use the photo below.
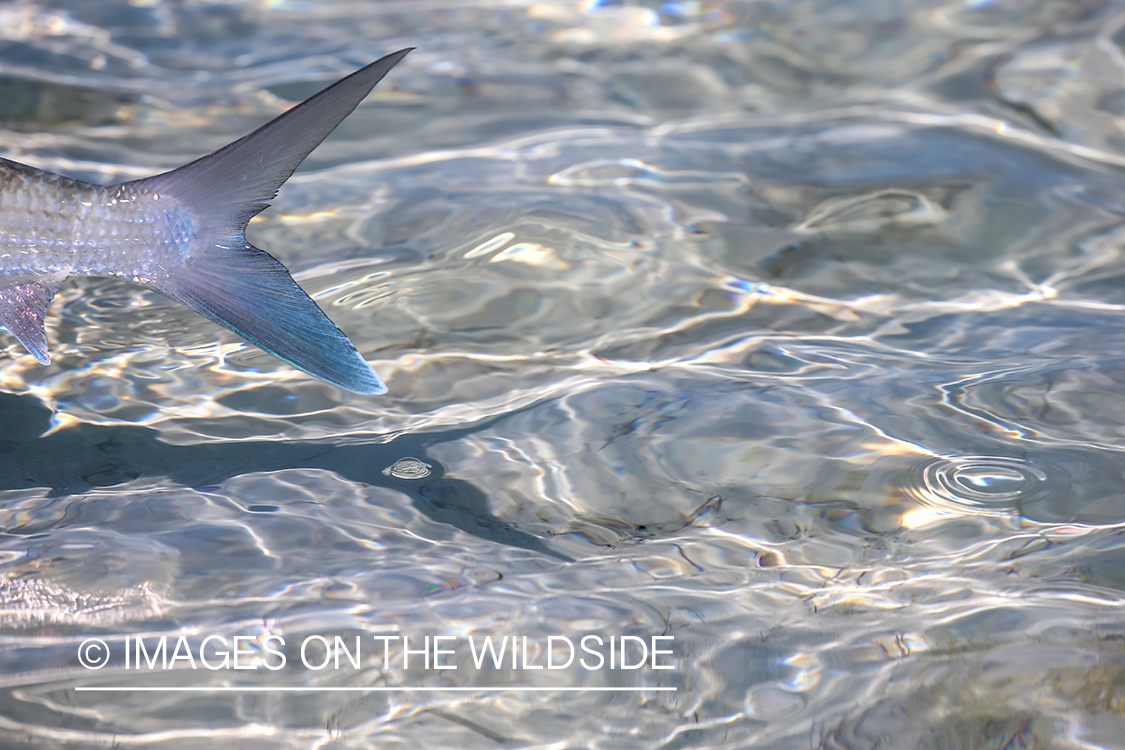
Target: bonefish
(182, 233)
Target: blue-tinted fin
(234, 283)
(23, 306)
(252, 294)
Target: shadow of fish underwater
(75, 461)
(182, 233)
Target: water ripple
(983, 484)
(788, 330)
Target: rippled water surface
(794, 331)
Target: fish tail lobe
(251, 293)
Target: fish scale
(61, 225)
(182, 233)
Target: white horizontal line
(252, 689)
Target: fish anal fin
(23, 307)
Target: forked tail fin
(234, 283)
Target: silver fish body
(50, 224)
(182, 233)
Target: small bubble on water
(408, 468)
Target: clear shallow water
(790, 330)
